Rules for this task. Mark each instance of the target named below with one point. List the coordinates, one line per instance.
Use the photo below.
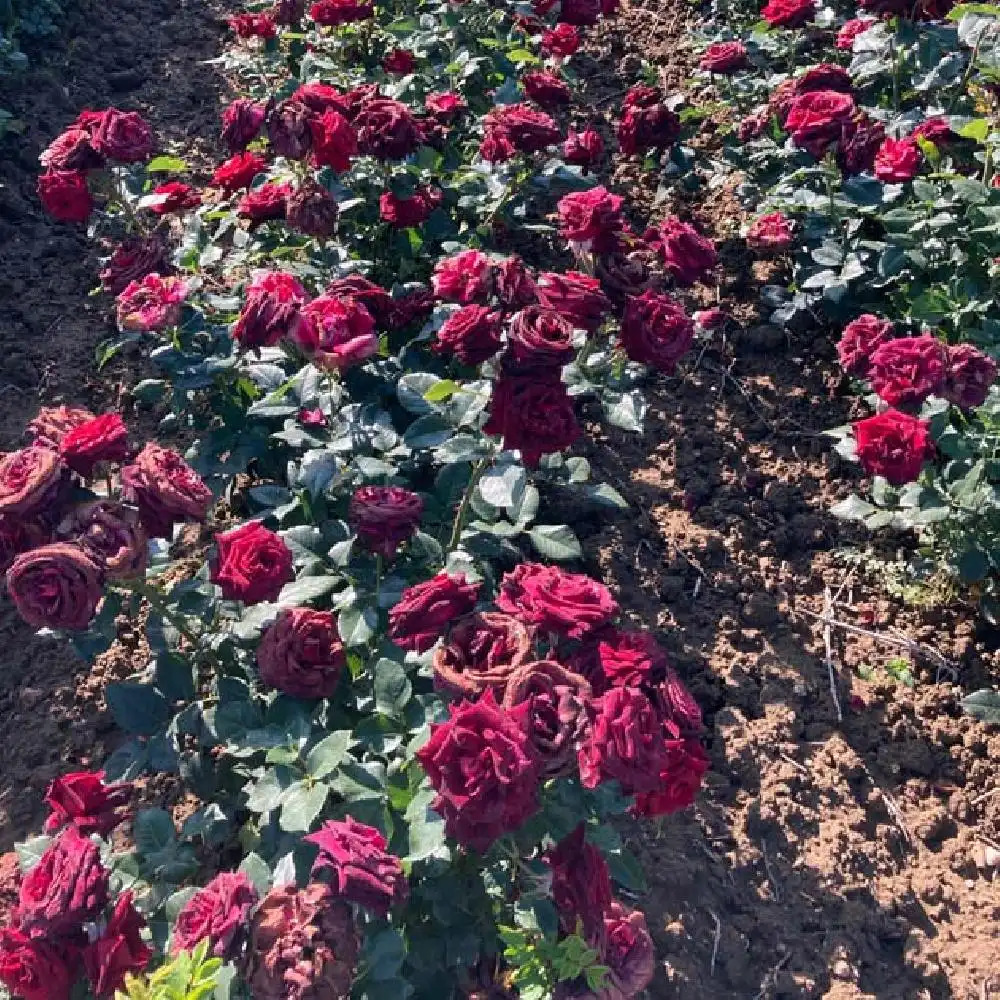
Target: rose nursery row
(405, 734)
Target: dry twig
(715, 943)
(828, 623)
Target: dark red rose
(83, 800)
(583, 149)
(533, 414)
(893, 445)
(824, 76)
(562, 40)
(166, 490)
(577, 296)
(496, 147)
(556, 699)
(269, 201)
(134, 259)
(445, 106)
(850, 30)
(373, 297)
(218, 913)
(770, 232)
(641, 95)
(289, 129)
(815, 119)
(65, 196)
(387, 129)
(361, 870)
(936, 130)
(301, 654)
(271, 310)
(123, 136)
(725, 58)
(860, 140)
(399, 61)
(643, 129)
(630, 269)
(656, 331)
(466, 277)
(288, 12)
(322, 97)
(580, 12)
(481, 651)
(251, 564)
(424, 610)
(334, 141)
(414, 307)
(337, 332)
(922, 10)
(253, 26)
(174, 196)
(679, 712)
(969, 377)
(680, 779)
(331, 13)
(33, 969)
(484, 769)
(515, 287)
(472, 334)
(110, 534)
(53, 423)
(102, 439)
(898, 160)
(555, 601)
(592, 218)
(581, 883)
(859, 341)
(119, 951)
(356, 98)
(404, 213)
(689, 256)
(303, 942)
(625, 949)
(711, 319)
(67, 888)
(621, 658)
(524, 128)
(241, 123)
(18, 535)
(72, 150)
(385, 516)
(312, 210)
(537, 339)
(904, 372)
(238, 171)
(314, 417)
(789, 13)
(32, 481)
(546, 89)
(55, 586)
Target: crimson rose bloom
(220, 913)
(410, 308)
(815, 119)
(521, 128)
(859, 341)
(32, 969)
(301, 654)
(361, 870)
(893, 445)
(656, 331)
(331, 13)
(622, 658)
(404, 213)
(68, 887)
(515, 287)
(320, 97)
(591, 217)
(133, 260)
(165, 489)
(269, 201)
(83, 800)
(387, 129)
(53, 423)
(110, 534)
(577, 296)
(898, 160)
(482, 651)
(31, 481)
(72, 150)
(472, 334)
(538, 339)
(496, 146)
(384, 517)
(936, 130)
(55, 586)
(860, 140)
(241, 123)
(399, 61)
(119, 951)
(445, 106)
(545, 89)
(680, 779)
(850, 30)
(271, 311)
(644, 128)
(238, 171)
(424, 610)
(466, 277)
(65, 196)
(583, 149)
(688, 255)
(336, 332)
(906, 371)
(533, 414)
(553, 600)
(562, 40)
(581, 883)
(725, 58)
(969, 377)
(626, 950)
(334, 141)
(484, 769)
(174, 196)
(788, 13)
(312, 210)
(824, 76)
(152, 304)
(251, 564)
(102, 439)
(123, 136)
(770, 232)
(253, 26)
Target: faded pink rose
(337, 332)
(151, 304)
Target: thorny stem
(456, 532)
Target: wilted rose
(770, 232)
(33, 969)
(112, 535)
(301, 654)
(969, 376)
(165, 489)
(152, 304)
(576, 296)
(17, 535)
(387, 129)
(241, 122)
(312, 210)
(72, 150)
(289, 129)
(53, 423)
(583, 149)
(472, 334)
(592, 218)
(32, 481)
(481, 651)
(385, 516)
(859, 341)
(272, 310)
(679, 781)
(644, 128)
(123, 136)
(538, 338)
(688, 255)
(100, 439)
(132, 260)
(55, 586)
(334, 140)
(546, 89)
(581, 883)
(465, 278)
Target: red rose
(301, 654)
(936, 130)
(33, 969)
(622, 658)
(466, 277)
(18, 535)
(413, 307)
(72, 150)
(484, 769)
(472, 334)
(387, 130)
(356, 98)
(253, 26)
(815, 119)
(581, 883)
(123, 136)
(152, 304)
(337, 333)
(334, 141)
(824, 76)
(860, 140)
(893, 445)
(626, 950)
(583, 149)
(580, 12)
(102, 439)
(66, 889)
(850, 30)
(218, 913)
(789, 13)
(562, 40)
(576, 296)
(515, 287)
(312, 418)
(238, 171)
(53, 423)
(399, 61)
(241, 123)
(269, 201)
(271, 310)
(31, 482)
(174, 196)
(689, 256)
(679, 712)
(331, 13)
(119, 951)
(321, 97)
(898, 160)
(711, 319)
(969, 377)
(110, 534)
(55, 586)
(770, 232)
(288, 12)
(546, 89)
(165, 489)
(859, 341)
(404, 213)
(83, 800)
(424, 610)
(533, 414)
(906, 371)
(643, 129)
(656, 331)
(553, 600)
(592, 218)
(481, 651)
(312, 210)
(252, 564)
(384, 517)
(133, 260)
(373, 297)
(360, 868)
(537, 339)
(445, 106)
(522, 127)
(725, 58)
(496, 147)
(65, 196)
(754, 125)
(680, 779)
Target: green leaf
(983, 705)
(328, 753)
(153, 831)
(392, 687)
(426, 829)
(301, 805)
(30, 852)
(625, 409)
(357, 625)
(978, 129)
(852, 509)
(606, 496)
(555, 541)
(166, 165)
(137, 708)
(307, 589)
(504, 485)
(256, 869)
(441, 390)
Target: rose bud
(336, 333)
(83, 800)
(152, 304)
(334, 141)
(31, 482)
(272, 310)
(859, 341)
(301, 654)
(384, 517)
(65, 196)
(387, 129)
(473, 334)
(165, 489)
(969, 377)
(102, 439)
(533, 414)
(112, 535)
(132, 260)
(123, 136)
(465, 278)
(656, 331)
(905, 371)
(219, 913)
(312, 210)
(71, 151)
(424, 610)
(481, 651)
(399, 61)
(241, 123)
(893, 445)
(251, 564)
